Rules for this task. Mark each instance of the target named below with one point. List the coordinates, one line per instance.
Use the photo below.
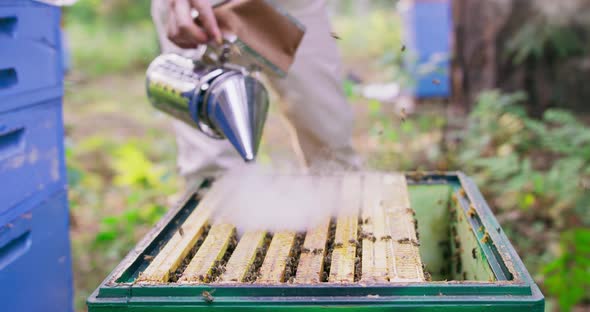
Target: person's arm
(181, 26)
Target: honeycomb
(375, 241)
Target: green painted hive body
(468, 265)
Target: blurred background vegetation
(533, 165)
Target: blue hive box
(427, 35)
(35, 263)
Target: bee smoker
(224, 101)
(218, 94)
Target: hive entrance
(372, 240)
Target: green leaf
(374, 107)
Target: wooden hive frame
(374, 241)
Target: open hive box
(404, 242)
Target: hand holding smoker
(219, 94)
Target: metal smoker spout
(237, 106)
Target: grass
(121, 166)
(100, 48)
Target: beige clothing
(312, 100)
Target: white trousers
(312, 100)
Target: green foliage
(568, 277)
(145, 183)
(539, 170)
(126, 170)
(376, 38)
(400, 142)
(114, 12)
(110, 36)
(101, 48)
(368, 36)
(538, 39)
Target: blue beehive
(35, 263)
(427, 34)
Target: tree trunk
(482, 33)
(476, 28)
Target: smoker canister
(222, 101)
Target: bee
(290, 261)
(386, 237)
(403, 48)
(415, 243)
(369, 236)
(208, 296)
(474, 253)
(462, 192)
(485, 238)
(334, 35)
(410, 211)
(367, 220)
(305, 250)
(404, 240)
(352, 241)
(148, 257)
(471, 211)
(317, 251)
(181, 231)
(338, 245)
(436, 81)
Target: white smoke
(279, 197)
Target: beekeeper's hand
(182, 28)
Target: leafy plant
(539, 38)
(115, 12)
(102, 48)
(122, 187)
(145, 184)
(568, 276)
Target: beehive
(401, 241)
(375, 232)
